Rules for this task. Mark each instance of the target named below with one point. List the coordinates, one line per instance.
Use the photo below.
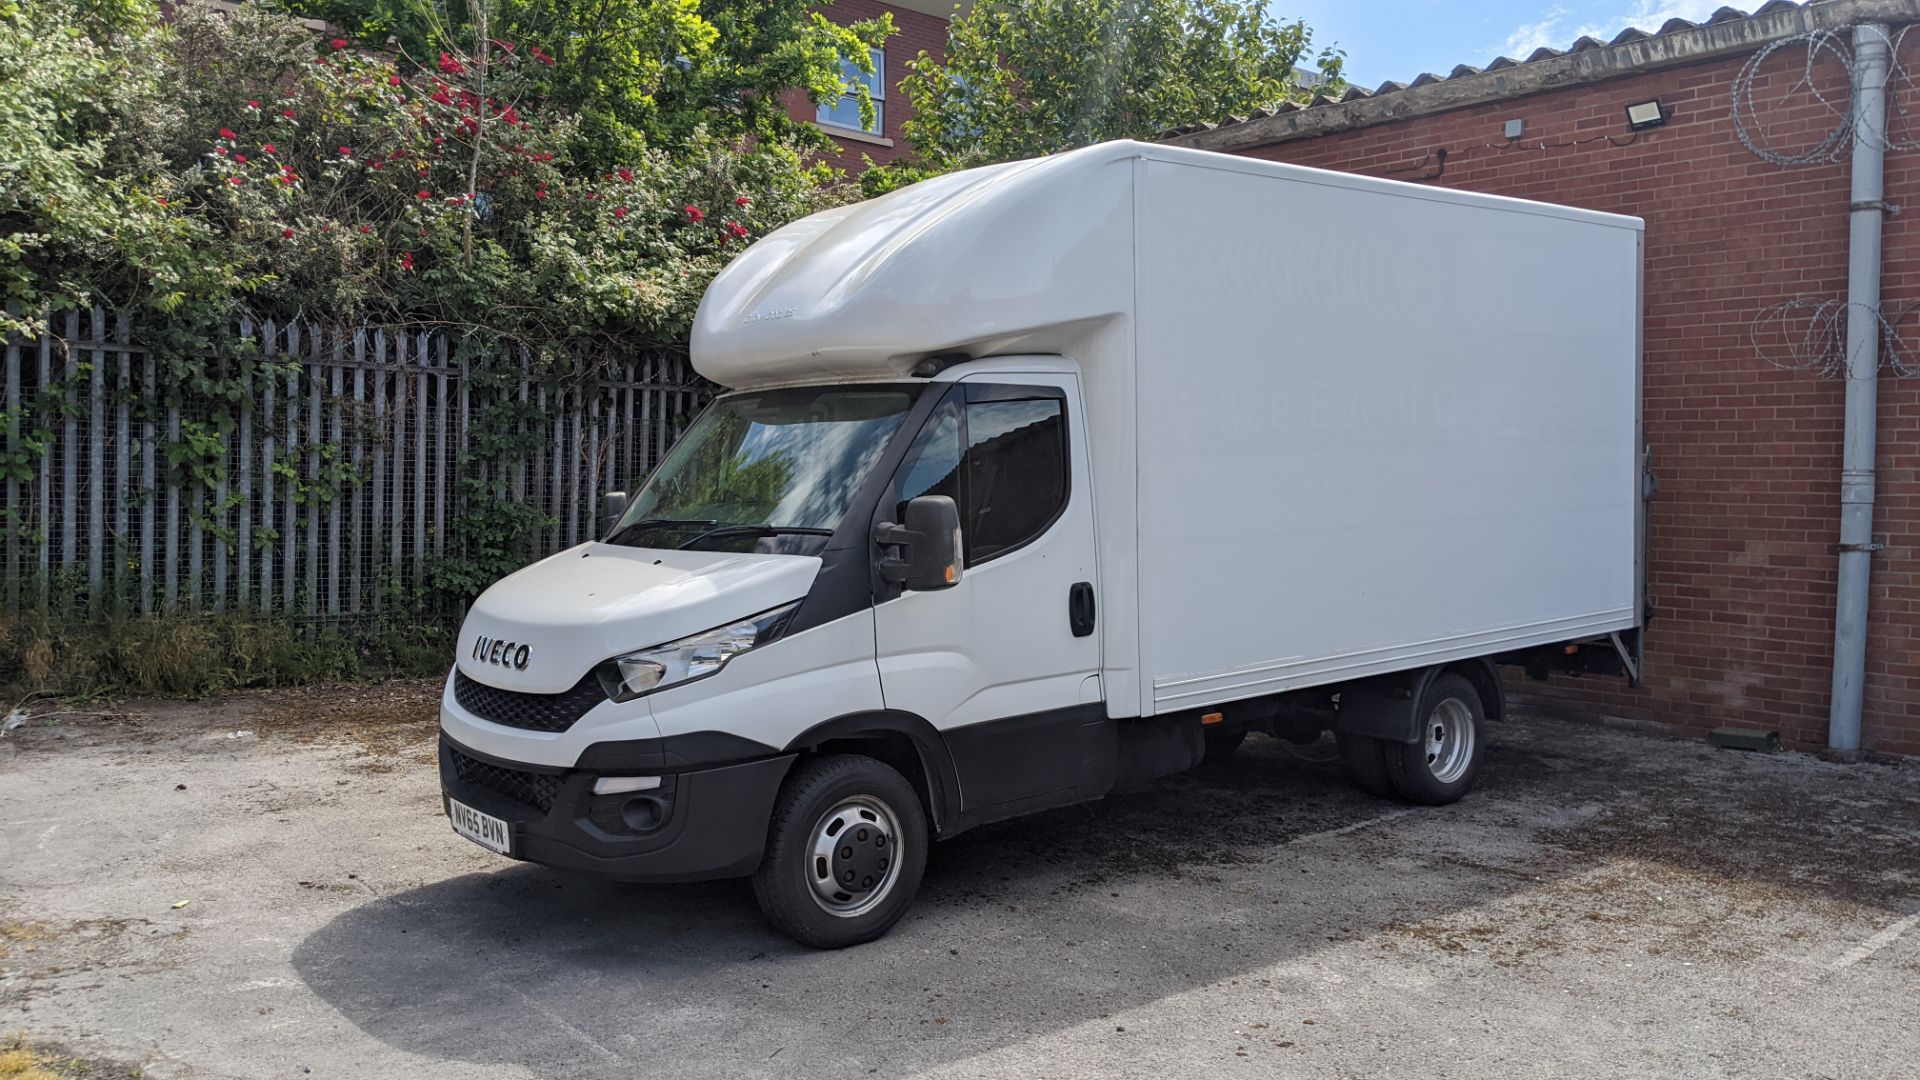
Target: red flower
(441, 97)
(338, 43)
(393, 80)
(235, 181)
(451, 66)
(220, 151)
(620, 212)
(423, 195)
(321, 60)
(741, 200)
(736, 228)
(507, 45)
(226, 133)
(510, 115)
(592, 195)
(346, 151)
(695, 215)
(439, 140)
(625, 174)
(540, 193)
(162, 202)
(396, 155)
(366, 228)
(267, 148)
(241, 158)
(376, 165)
(288, 113)
(406, 260)
(286, 234)
(254, 104)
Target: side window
(1003, 463)
(1016, 474)
(933, 465)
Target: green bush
(234, 162)
(230, 161)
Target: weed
(190, 655)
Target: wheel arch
(1486, 681)
(903, 740)
(1387, 706)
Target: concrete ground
(265, 887)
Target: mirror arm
(895, 569)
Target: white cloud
(1554, 28)
(1534, 35)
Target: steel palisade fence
(377, 415)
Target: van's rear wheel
(1439, 766)
(845, 851)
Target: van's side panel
(1381, 429)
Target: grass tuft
(17, 1062)
(191, 655)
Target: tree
(637, 73)
(1028, 77)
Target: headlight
(627, 677)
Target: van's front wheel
(845, 851)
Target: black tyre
(1365, 760)
(1221, 744)
(845, 851)
(1440, 767)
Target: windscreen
(770, 471)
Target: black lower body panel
(697, 825)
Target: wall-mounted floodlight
(1645, 114)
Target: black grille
(531, 712)
(537, 790)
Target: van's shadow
(1021, 928)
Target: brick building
(1743, 532)
(919, 25)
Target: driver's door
(1005, 663)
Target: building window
(846, 111)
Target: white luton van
(1041, 480)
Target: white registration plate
(484, 829)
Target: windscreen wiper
(755, 530)
(697, 523)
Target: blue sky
(1398, 39)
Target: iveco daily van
(1036, 481)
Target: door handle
(1080, 608)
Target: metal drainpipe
(1865, 216)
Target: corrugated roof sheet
(1467, 71)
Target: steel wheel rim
(1449, 740)
(860, 836)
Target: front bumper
(699, 824)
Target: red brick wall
(1743, 530)
(914, 33)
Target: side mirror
(612, 505)
(929, 543)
